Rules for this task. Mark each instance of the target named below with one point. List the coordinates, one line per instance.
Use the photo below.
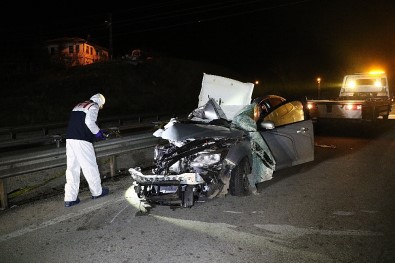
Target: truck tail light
(310, 105)
(353, 107)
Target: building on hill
(74, 51)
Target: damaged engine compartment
(188, 170)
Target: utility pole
(319, 87)
(109, 24)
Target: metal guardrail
(119, 121)
(11, 166)
(57, 139)
(44, 128)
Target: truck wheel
(239, 184)
(317, 127)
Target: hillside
(160, 85)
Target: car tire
(239, 184)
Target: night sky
(259, 38)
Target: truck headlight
(351, 84)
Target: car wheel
(239, 184)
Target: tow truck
(363, 97)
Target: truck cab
(365, 85)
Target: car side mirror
(267, 125)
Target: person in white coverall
(81, 132)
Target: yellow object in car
(288, 113)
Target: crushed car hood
(220, 99)
(184, 131)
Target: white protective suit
(80, 152)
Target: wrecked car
(226, 145)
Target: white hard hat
(99, 99)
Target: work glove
(101, 135)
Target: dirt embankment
(160, 84)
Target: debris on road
(325, 146)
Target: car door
(292, 140)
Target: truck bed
(366, 110)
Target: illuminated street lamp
(319, 86)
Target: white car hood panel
(230, 94)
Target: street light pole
(319, 87)
(109, 24)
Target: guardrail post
(57, 139)
(112, 165)
(3, 194)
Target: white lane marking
(233, 212)
(343, 213)
(57, 220)
(288, 231)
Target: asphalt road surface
(338, 208)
